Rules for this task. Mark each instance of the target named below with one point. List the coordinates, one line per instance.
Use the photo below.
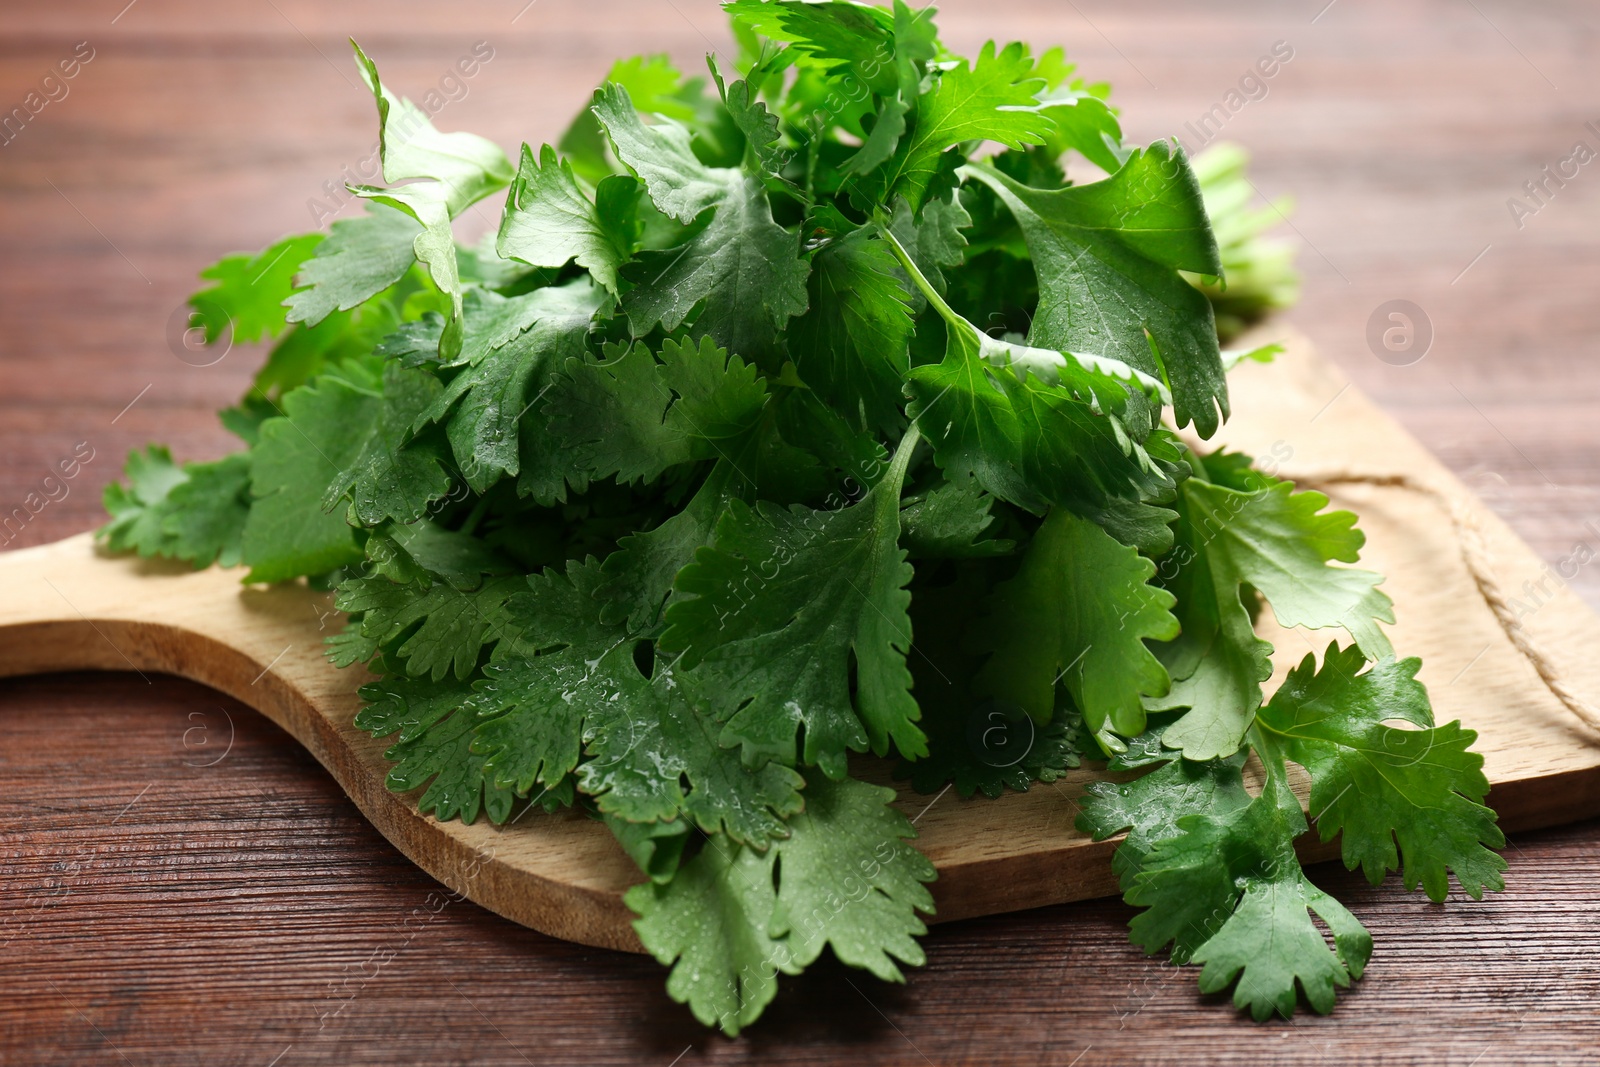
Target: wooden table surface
(180, 883)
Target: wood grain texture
(229, 913)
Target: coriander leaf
(1151, 808)
(640, 754)
(1108, 256)
(469, 166)
(656, 847)
(444, 627)
(1021, 420)
(425, 550)
(206, 513)
(486, 401)
(434, 747)
(250, 289)
(1378, 786)
(640, 573)
(428, 202)
(493, 321)
(324, 427)
(743, 265)
(949, 523)
(852, 344)
(1085, 122)
(771, 613)
(447, 172)
(845, 38)
(992, 99)
(633, 416)
(1274, 541)
(657, 88)
(360, 258)
(932, 239)
(139, 511)
(550, 220)
(1228, 891)
(306, 351)
(759, 126)
(389, 476)
(728, 930)
(1078, 610)
(850, 829)
(709, 924)
(571, 683)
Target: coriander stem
(921, 282)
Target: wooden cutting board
(66, 606)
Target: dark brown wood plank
(230, 907)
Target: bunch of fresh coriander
(806, 413)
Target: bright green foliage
(1216, 867)
(1079, 611)
(851, 344)
(549, 220)
(994, 98)
(633, 414)
(250, 290)
(729, 921)
(436, 627)
(1379, 786)
(484, 404)
(434, 748)
(361, 258)
(951, 522)
(775, 608)
(289, 532)
(1227, 891)
(1274, 541)
(571, 678)
(1128, 235)
(784, 425)
(208, 512)
(744, 266)
(195, 512)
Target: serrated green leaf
(1228, 891)
(851, 344)
(634, 414)
(361, 258)
(485, 403)
(1108, 255)
(772, 612)
(949, 523)
(743, 265)
(549, 220)
(1274, 541)
(1378, 786)
(206, 513)
(993, 98)
(570, 683)
(728, 923)
(1078, 611)
(434, 748)
(251, 289)
(389, 476)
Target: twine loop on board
(1480, 564)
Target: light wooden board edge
(66, 607)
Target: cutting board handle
(70, 606)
